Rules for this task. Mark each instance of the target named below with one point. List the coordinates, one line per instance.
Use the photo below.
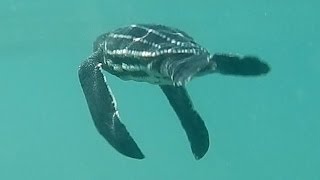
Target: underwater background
(265, 128)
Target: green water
(265, 128)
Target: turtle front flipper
(236, 65)
(103, 109)
(190, 119)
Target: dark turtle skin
(158, 55)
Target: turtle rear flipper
(103, 110)
(190, 119)
(236, 65)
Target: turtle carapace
(159, 55)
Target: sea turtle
(159, 55)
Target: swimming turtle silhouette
(158, 55)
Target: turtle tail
(243, 66)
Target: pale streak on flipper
(103, 110)
(190, 119)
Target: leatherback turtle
(159, 55)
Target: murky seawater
(260, 128)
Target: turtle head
(236, 65)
